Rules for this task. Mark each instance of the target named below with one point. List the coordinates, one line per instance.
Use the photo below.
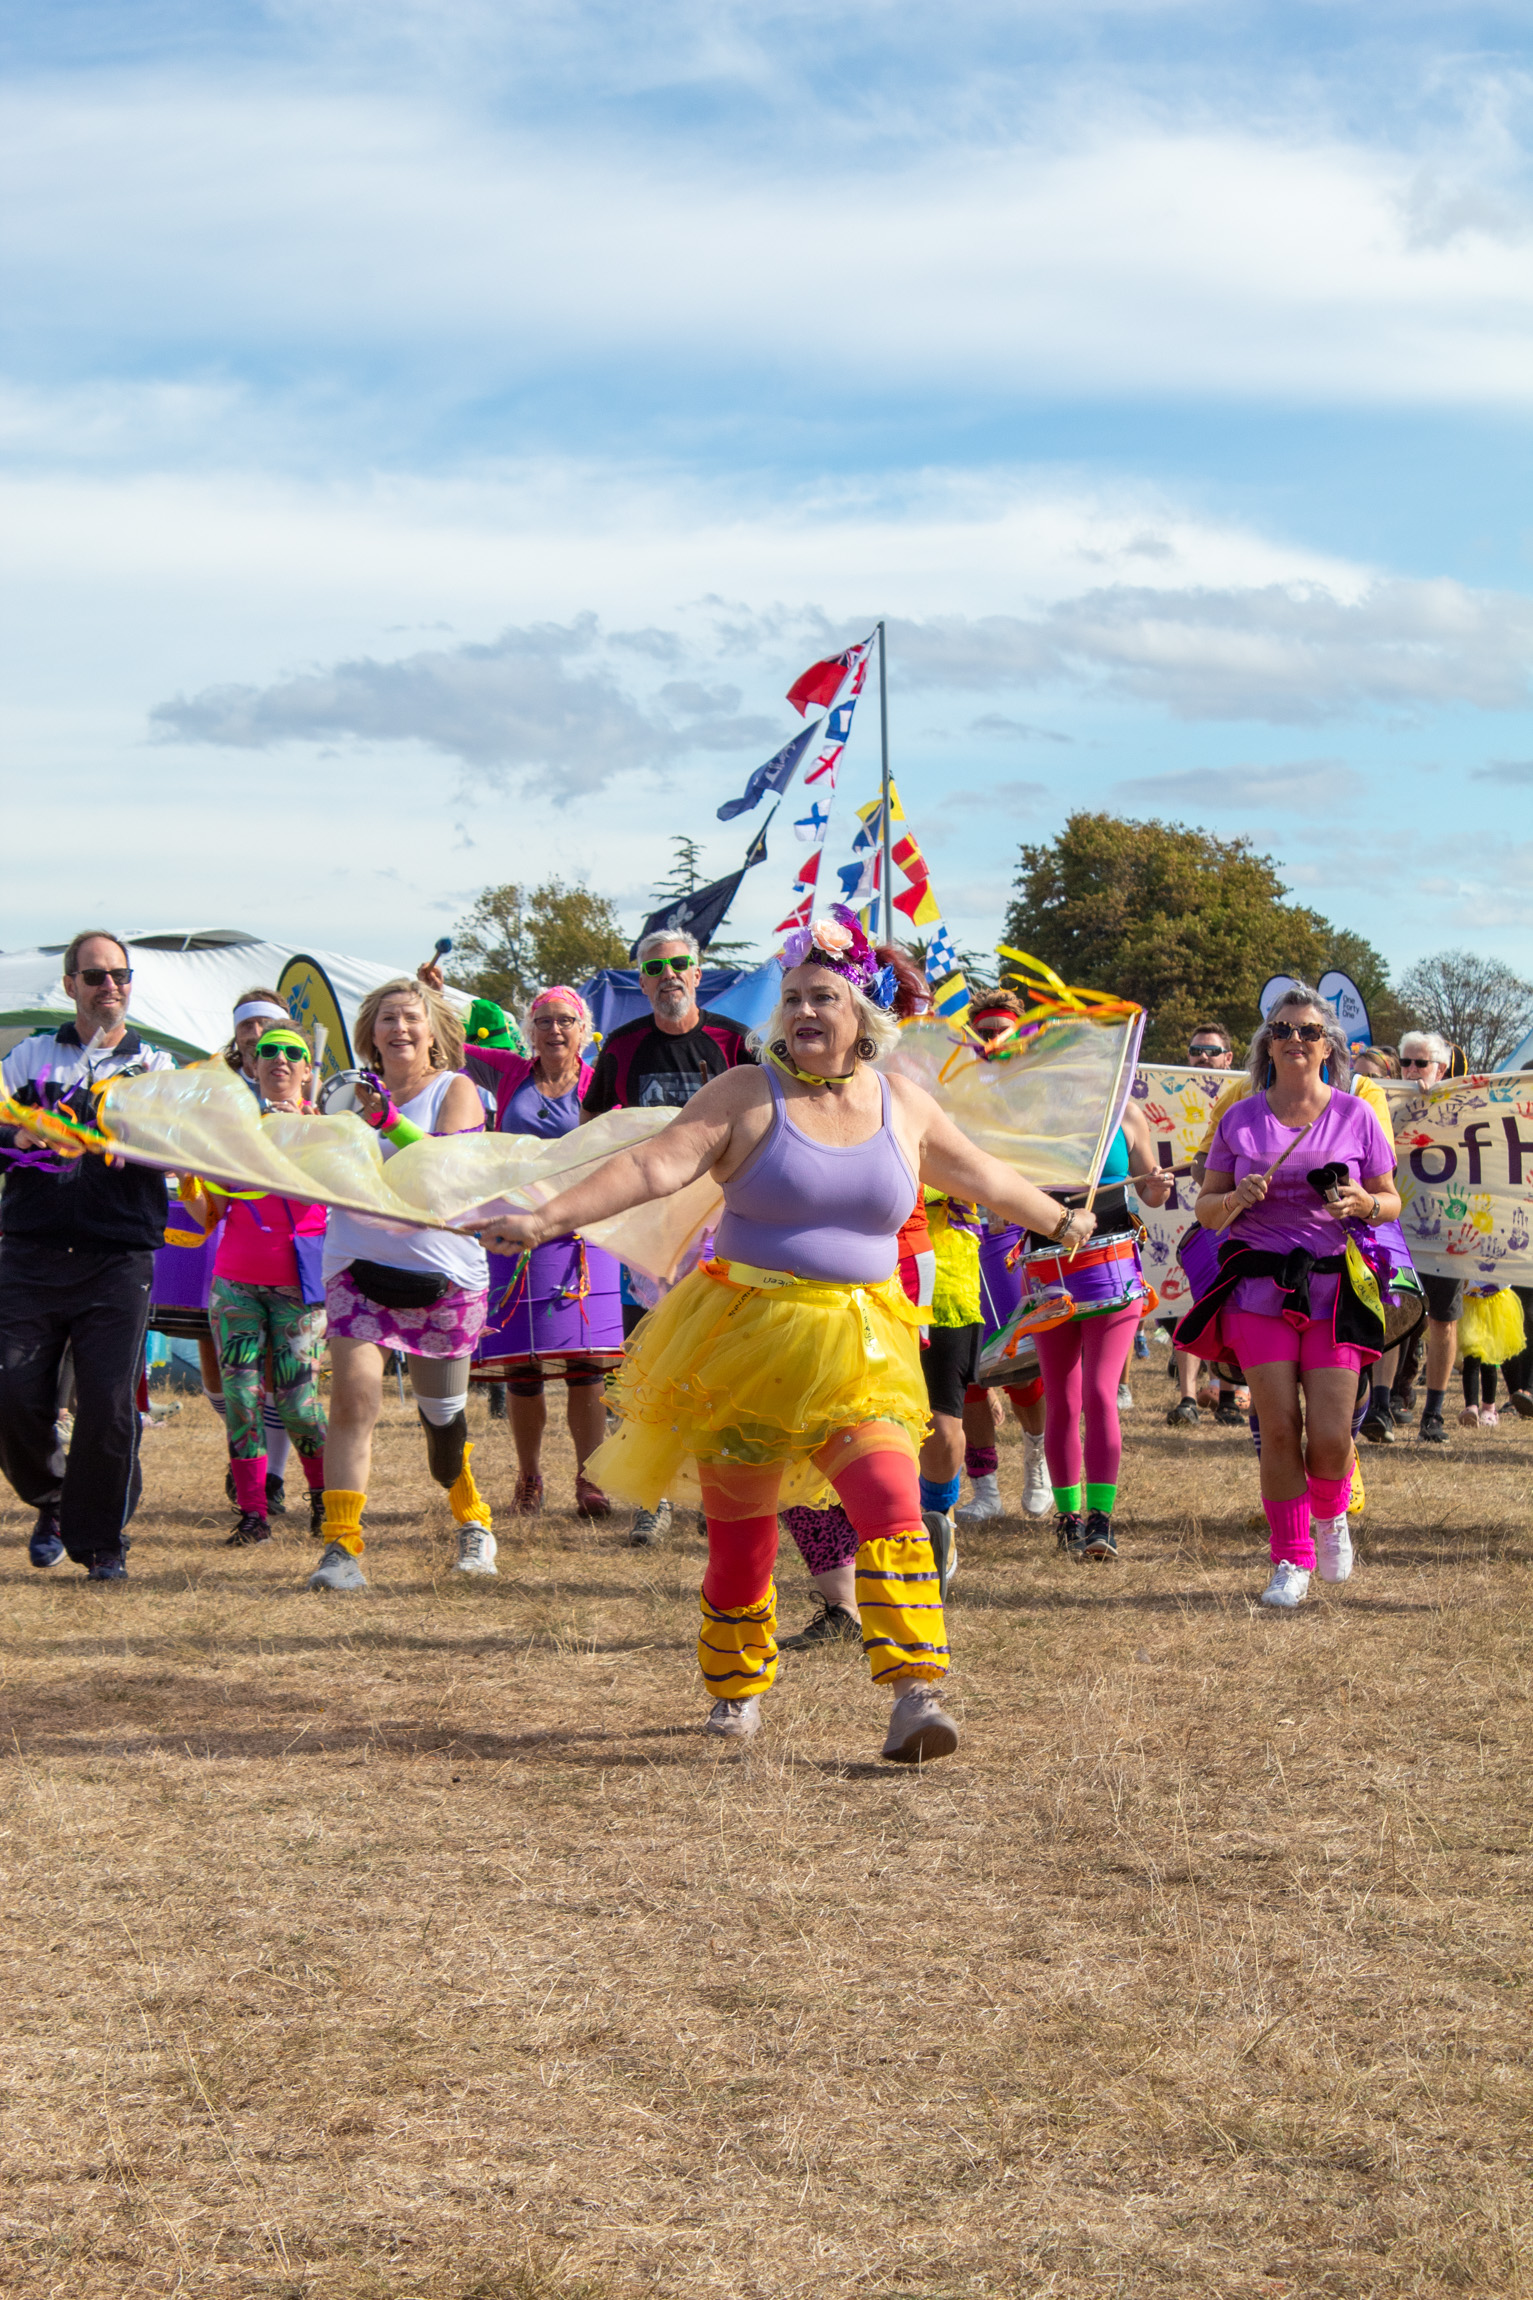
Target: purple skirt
(183, 1281)
(565, 1304)
(448, 1329)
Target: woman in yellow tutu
(789, 1365)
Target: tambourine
(339, 1094)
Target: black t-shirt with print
(642, 1067)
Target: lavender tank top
(820, 1212)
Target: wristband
(401, 1133)
(1065, 1220)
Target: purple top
(528, 1110)
(818, 1211)
(1246, 1141)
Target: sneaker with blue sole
(46, 1546)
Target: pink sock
(1329, 1496)
(313, 1471)
(250, 1483)
(1291, 1538)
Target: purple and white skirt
(449, 1328)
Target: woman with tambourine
(421, 1292)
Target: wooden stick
(1271, 1170)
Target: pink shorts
(1259, 1341)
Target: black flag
(701, 913)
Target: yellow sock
(466, 1502)
(343, 1519)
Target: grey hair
(1437, 1047)
(874, 1022)
(1338, 1055)
(667, 934)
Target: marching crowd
(819, 1366)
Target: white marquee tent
(184, 984)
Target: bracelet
(1065, 1219)
(1373, 1217)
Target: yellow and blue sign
(309, 996)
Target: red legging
(879, 1493)
(1083, 1365)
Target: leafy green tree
(517, 938)
(1187, 924)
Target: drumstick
(1271, 1170)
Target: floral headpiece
(839, 943)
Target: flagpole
(883, 729)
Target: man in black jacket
(76, 1259)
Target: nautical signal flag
(823, 681)
(776, 775)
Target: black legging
(1479, 1382)
(1518, 1369)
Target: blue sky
(443, 431)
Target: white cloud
(209, 222)
(1319, 784)
(532, 701)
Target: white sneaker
(338, 1570)
(1333, 1547)
(476, 1550)
(650, 1526)
(985, 1502)
(919, 1728)
(1288, 1587)
(1037, 1493)
(734, 1720)
(944, 1541)
(1125, 1398)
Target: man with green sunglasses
(659, 1062)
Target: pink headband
(561, 992)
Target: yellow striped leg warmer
(903, 1632)
(466, 1502)
(737, 1650)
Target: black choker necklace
(790, 1069)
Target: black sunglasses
(1415, 1062)
(1310, 1032)
(95, 976)
(668, 965)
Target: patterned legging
(248, 1322)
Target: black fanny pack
(398, 1289)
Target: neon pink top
(257, 1245)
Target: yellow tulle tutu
(743, 1368)
(1491, 1327)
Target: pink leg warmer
(1105, 1345)
(1291, 1536)
(313, 1471)
(249, 1477)
(1329, 1496)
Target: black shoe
(832, 1625)
(1067, 1533)
(1229, 1417)
(1184, 1413)
(1433, 1430)
(1520, 1403)
(1400, 1412)
(107, 1565)
(248, 1532)
(46, 1546)
(317, 1514)
(276, 1497)
(1377, 1427)
(1098, 1542)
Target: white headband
(260, 1008)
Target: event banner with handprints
(1464, 1172)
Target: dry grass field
(415, 1947)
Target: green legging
(250, 1322)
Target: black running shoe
(1098, 1541)
(249, 1531)
(1433, 1430)
(276, 1497)
(107, 1565)
(1184, 1413)
(1377, 1427)
(1229, 1416)
(1521, 1403)
(46, 1546)
(1067, 1533)
(832, 1625)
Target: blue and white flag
(941, 954)
(810, 828)
(859, 879)
(776, 775)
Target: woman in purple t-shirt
(1300, 1314)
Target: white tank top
(359, 1238)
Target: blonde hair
(446, 1026)
(873, 1022)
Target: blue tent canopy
(614, 995)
